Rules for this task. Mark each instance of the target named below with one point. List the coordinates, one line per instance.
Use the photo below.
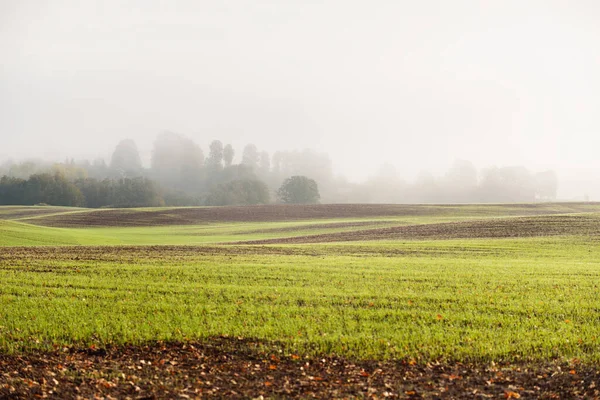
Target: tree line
(462, 183)
(181, 174)
(56, 189)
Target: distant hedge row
(56, 189)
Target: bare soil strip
(280, 212)
(492, 228)
(133, 254)
(44, 258)
(235, 368)
(331, 225)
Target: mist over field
(300, 199)
(397, 101)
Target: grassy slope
(14, 233)
(22, 232)
(475, 299)
(461, 299)
(17, 233)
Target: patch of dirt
(25, 256)
(491, 228)
(200, 215)
(281, 212)
(52, 258)
(234, 368)
(331, 225)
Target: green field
(480, 298)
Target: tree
(239, 192)
(12, 191)
(136, 192)
(98, 169)
(124, 192)
(177, 161)
(27, 168)
(462, 175)
(97, 193)
(299, 190)
(192, 161)
(459, 185)
(305, 162)
(507, 184)
(264, 163)
(70, 171)
(215, 157)
(276, 167)
(126, 159)
(425, 189)
(383, 187)
(250, 156)
(53, 189)
(228, 154)
(237, 172)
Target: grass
(23, 212)
(17, 225)
(470, 299)
(19, 233)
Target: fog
(415, 85)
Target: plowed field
(491, 228)
(323, 301)
(225, 368)
(271, 213)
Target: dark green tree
(53, 189)
(12, 191)
(136, 192)
(124, 192)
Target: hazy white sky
(414, 83)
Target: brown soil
(25, 256)
(332, 225)
(200, 215)
(50, 259)
(491, 228)
(226, 368)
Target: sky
(417, 84)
